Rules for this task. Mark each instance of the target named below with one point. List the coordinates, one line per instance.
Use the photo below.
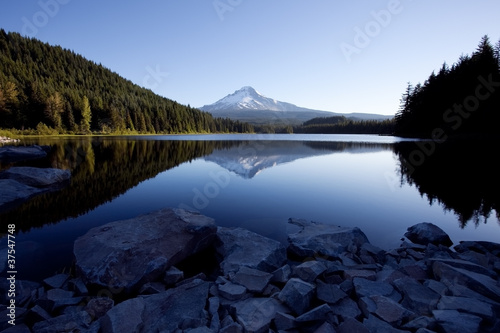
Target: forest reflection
(463, 176)
(101, 169)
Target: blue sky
(342, 56)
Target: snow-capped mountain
(248, 105)
(247, 98)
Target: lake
(380, 184)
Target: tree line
(343, 125)
(463, 99)
(46, 89)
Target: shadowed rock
(425, 233)
(126, 254)
(19, 184)
(239, 247)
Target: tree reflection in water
(462, 175)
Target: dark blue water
(256, 182)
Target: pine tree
(86, 116)
(54, 107)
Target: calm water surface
(256, 182)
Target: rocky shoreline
(19, 184)
(175, 271)
(5, 139)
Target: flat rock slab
(316, 239)
(125, 254)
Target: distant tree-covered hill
(463, 99)
(53, 90)
(343, 125)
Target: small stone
(282, 274)
(309, 270)
(256, 314)
(124, 317)
(56, 281)
(346, 308)
(252, 279)
(353, 273)
(329, 293)
(55, 294)
(232, 328)
(351, 325)
(284, 321)
(374, 324)
(317, 314)
(325, 328)
(36, 314)
(417, 297)
(468, 305)
(172, 276)
(232, 292)
(386, 309)
(78, 286)
(479, 283)
(366, 288)
(452, 321)
(73, 322)
(297, 295)
(436, 286)
(98, 307)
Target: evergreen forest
(343, 125)
(460, 100)
(46, 89)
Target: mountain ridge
(247, 104)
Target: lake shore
(174, 270)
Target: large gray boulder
(123, 255)
(12, 192)
(428, 233)
(19, 184)
(240, 247)
(317, 240)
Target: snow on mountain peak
(247, 98)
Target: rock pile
(328, 279)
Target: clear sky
(343, 55)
